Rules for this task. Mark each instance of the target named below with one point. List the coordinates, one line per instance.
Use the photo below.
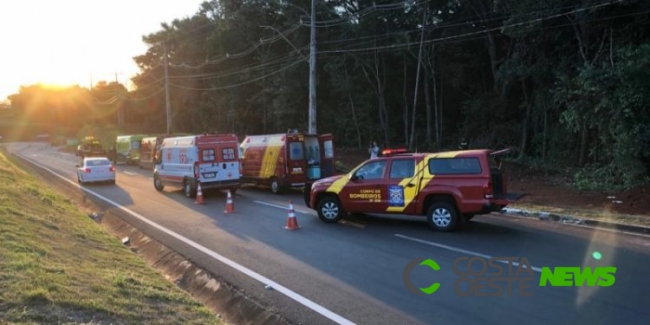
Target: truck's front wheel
(442, 216)
(157, 183)
(330, 210)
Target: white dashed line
(460, 250)
(309, 212)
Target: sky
(68, 42)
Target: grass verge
(58, 266)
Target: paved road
(355, 269)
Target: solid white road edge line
(264, 280)
(460, 250)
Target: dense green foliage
(565, 81)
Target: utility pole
(312, 71)
(94, 118)
(120, 118)
(417, 81)
(168, 103)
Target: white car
(96, 169)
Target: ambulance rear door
(211, 166)
(296, 160)
(328, 159)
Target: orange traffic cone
(292, 222)
(199, 195)
(230, 207)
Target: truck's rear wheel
(275, 186)
(330, 210)
(442, 216)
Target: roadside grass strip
(58, 266)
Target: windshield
(97, 162)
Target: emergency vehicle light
(389, 152)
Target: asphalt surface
(355, 269)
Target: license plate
(209, 175)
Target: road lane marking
(272, 205)
(460, 250)
(313, 213)
(286, 207)
(264, 280)
(130, 173)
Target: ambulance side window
(207, 155)
(228, 154)
(295, 151)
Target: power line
(289, 56)
(273, 62)
(150, 84)
(115, 98)
(244, 53)
(246, 68)
(399, 46)
(242, 83)
(453, 23)
(449, 39)
(255, 46)
(364, 12)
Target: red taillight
(487, 190)
(112, 168)
(86, 170)
(196, 170)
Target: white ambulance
(209, 159)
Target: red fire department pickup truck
(448, 188)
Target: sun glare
(57, 86)
(69, 42)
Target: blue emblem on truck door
(396, 196)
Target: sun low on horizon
(75, 42)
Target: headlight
(318, 185)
